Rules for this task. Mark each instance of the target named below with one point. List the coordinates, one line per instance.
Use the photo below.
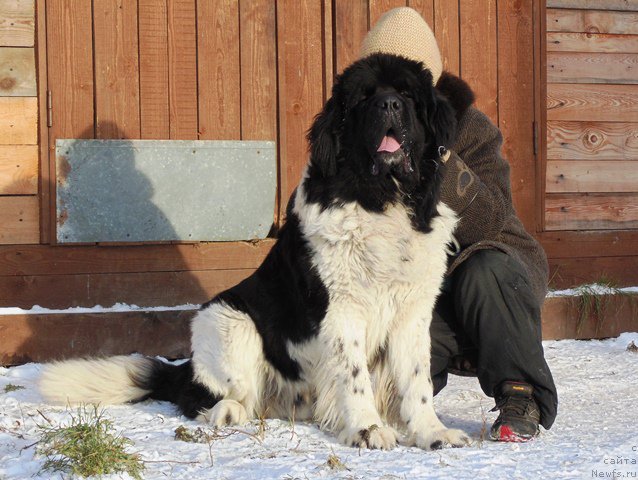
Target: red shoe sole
(505, 434)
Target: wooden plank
(446, 31)
(479, 53)
(70, 68)
(582, 102)
(594, 4)
(540, 110)
(117, 95)
(182, 68)
(17, 23)
(516, 103)
(591, 212)
(425, 8)
(258, 21)
(592, 140)
(17, 72)
(574, 176)
(592, 21)
(571, 272)
(591, 42)
(18, 121)
(351, 26)
(89, 259)
(328, 48)
(153, 289)
(154, 89)
(45, 178)
(218, 63)
(300, 75)
(573, 67)
(18, 170)
(47, 337)
(379, 7)
(561, 318)
(587, 244)
(19, 220)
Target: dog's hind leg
(409, 358)
(228, 360)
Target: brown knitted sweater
(476, 186)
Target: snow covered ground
(595, 434)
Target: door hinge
(49, 109)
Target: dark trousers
(488, 314)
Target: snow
(118, 307)
(595, 289)
(595, 434)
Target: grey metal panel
(159, 190)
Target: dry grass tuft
(335, 463)
(88, 447)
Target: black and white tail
(123, 379)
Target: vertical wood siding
(241, 69)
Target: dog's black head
(378, 136)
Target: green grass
(12, 388)
(88, 447)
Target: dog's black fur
(285, 297)
(378, 97)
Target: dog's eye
(407, 94)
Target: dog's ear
(443, 120)
(457, 91)
(323, 138)
(439, 116)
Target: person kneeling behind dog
(487, 319)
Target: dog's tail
(113, 380)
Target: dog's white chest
(356, 248)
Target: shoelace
(515, 405)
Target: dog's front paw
(374, 436)
(447, 437)
(225, 412)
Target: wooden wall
(591, 182)
(223, 69)
(19, 211)
(261, 69)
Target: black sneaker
(519, 417)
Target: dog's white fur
(368, 369)
(383, 278)
(96, 380)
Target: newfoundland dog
(334, 325)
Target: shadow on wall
(90, 275)
(103, 197)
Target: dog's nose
(390, 103)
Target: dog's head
(384, 122)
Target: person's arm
(476, 181)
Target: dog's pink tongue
(389, 144)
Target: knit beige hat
(402, 31)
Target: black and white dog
(334, 325)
